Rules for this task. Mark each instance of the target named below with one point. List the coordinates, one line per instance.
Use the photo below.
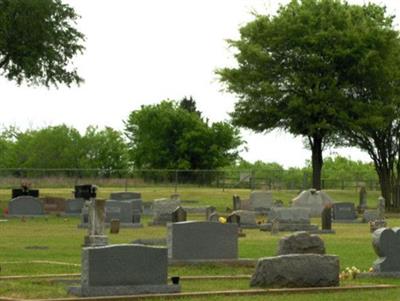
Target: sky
(143, 51)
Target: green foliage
(104, 149)
(166, 136)
(38, 41)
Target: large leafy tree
(104, 149)
(168, 136)
(37, 42)
(294, 69)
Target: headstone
(236, 202)
(289, 219)
(362, 199)
(297, 270)
(124, 270)
(301, 243)
(53, 204)
(126, 212)
(214, 217)
(377, 224)
(344, 211)
(74, 206)
(162, 210)
(313, 200)
(370, 216)
(274, 227)
(210, 210)
(386, 243)
(25, 206)
(247, 218)
(125, 195)
(179, 215)
(202, 241)
(326, 218)
(261, 201)
(114, 226)
(233, 218)
(381, 208)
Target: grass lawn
(52, 246)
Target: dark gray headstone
(386, 243)
(179, 215)
(301, 243)
(233, 218)
(297, 270)
(124, 211)
(123, 270)
(74, 206)
(125, 195)
(344, 211)
(25, 206)
(326, 218)
(363, 198)
(236, 203)
(202, 241)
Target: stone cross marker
(386, 243)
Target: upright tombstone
(233, 218)
(192, 241)
(261, 201)
(313, 200)
(386, 243)
(96, 215)
(247, 219)
(125, 211)
(24, 191)
(179, 215)
(25, 206)
(162, 210)
(210, 210)
(74, 206)
(124, 270)
(380, 221)
(344, 212)
(301, 243)
(381, 208)
(125, 196)
(236, 203)
(214, 217)
(362, 199)
(326, 218)
(289, 219)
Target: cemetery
(128, 194)
(190, 252)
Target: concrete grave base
(346, 221)
(96, 291)
(379, 275)
(321, 231)
(245, 262)
(289, 227)
(121, 225)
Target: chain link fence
(223, 179)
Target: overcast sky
(143, 51)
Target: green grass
(352, 243)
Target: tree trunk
(384, 175)
(316, 161)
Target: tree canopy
(38, 41)
(167, 136)
(294, 70)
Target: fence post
(176, 180)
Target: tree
(189, 104)
(54, 147)
(294, 70)
(38, 41)
(372, 119)
(165, 136)
(104, 149)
